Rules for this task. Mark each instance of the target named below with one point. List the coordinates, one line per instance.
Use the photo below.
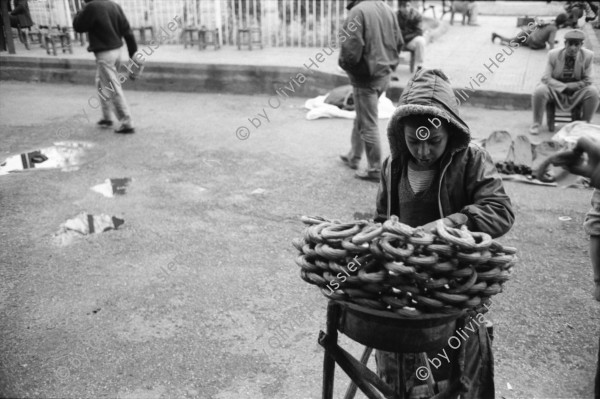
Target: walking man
(368, 54)
(107, 25)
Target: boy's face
(426, 139)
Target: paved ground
(197, 295)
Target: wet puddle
(112, 187)
(65, 155)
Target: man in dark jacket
(411, 21)
(368, 54)
(20, 16)
(107, 25)
(434, 172)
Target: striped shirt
(420, 180)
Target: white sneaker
(535, 129)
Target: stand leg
(351, 392)
(333, 311)
(430, 380)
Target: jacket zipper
(440, 186)
(389, 188)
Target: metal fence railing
(280, 23)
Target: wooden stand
(380, 330)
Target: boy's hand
(455, 220)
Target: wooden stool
(36, 36)
(142, 30)
(246, 37)
(60, 34)
(384, 331)
(189, 32)
(411, 63)
(208, 37)
(466, 14)
(82, 37)
(561, 116)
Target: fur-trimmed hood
(428, 92)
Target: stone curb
(219, 78)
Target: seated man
(567, 81)
(535, 36)
(410, 22)
(468, 9)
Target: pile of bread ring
(406, 270)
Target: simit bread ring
(330, 253)
(399, 268)
(310, 220)
(453, 299)
(314, 233)
(368, 233)
(393, 225)
(423, 260)
(455, 236)
(306, 265)
(396, 252)
(348, 245)
(460, 289)
(298, 243)
(441, 249)
(341, 230)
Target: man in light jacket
(368, 54)
(567, 81)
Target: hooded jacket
(469, 182)
(370, 41)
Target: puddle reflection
(66, 155)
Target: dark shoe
(105, 123)
(125, 130)
(349, 164)
(369, 176)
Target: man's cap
(575, 34)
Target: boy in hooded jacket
(434, 172)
